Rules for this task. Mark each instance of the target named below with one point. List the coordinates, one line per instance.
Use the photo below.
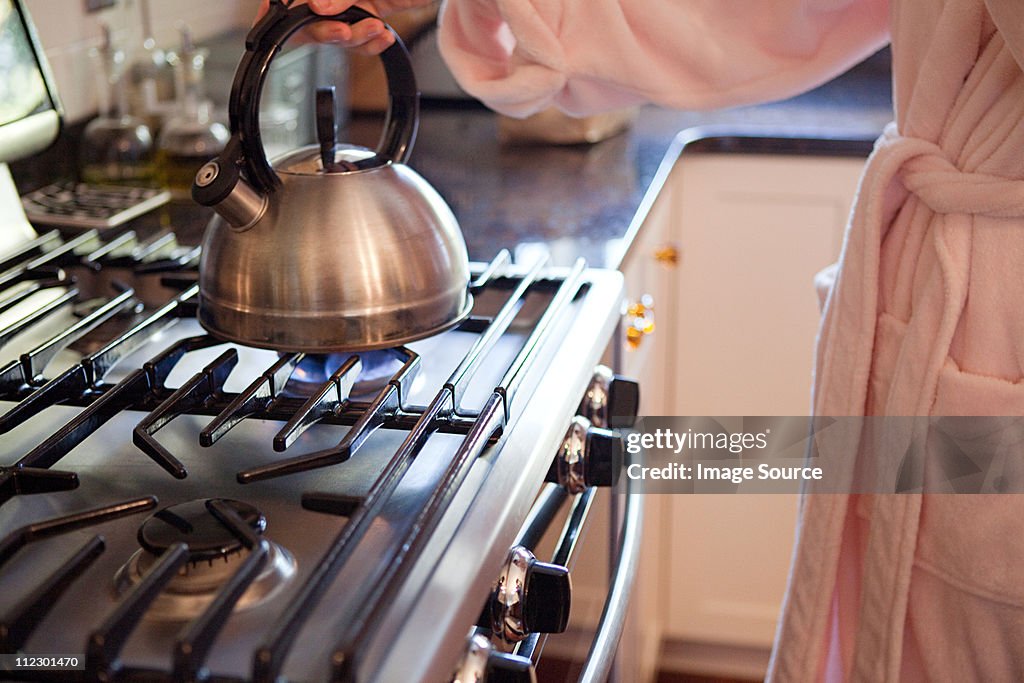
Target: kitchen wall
(67, 32)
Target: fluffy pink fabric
(926, 313)
(585, 56)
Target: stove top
(175, 507)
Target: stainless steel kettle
(335, 247)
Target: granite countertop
(567, 201)
(581, 200)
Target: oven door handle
(599, 661)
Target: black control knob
(483, 664)
(611, 400)
(529, 597)
(623, 401)
(604, 457)
(505, 668)
(589, 456)
(548, 598)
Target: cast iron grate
(84, 384)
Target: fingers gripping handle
(262, 44)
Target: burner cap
(214, 557)
(192, 523)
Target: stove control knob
(589, 456)
(483, 664)
(611, 400)
(503, 668)
(530, 597)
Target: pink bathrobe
(927, 315)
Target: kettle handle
(262, 45)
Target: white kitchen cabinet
(651, 271)
(753, 229)
(727, 252)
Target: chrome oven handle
(599, 660)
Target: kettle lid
(328, 157)
(244, 151)
(310, 160)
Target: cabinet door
(753, 230)
(651, 274)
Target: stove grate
(16, 627)
(103, 652)
(145, 388)
(493, 418)
(195, 642)
(23, 371)
(385, 406)
(19, 623)
(84, 380)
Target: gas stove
(174, 507)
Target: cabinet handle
(667, 255)
(639, 321)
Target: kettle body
(333, 247)
(375, 260)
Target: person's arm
(585, 56)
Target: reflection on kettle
(334, 247)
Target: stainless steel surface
(475, 535)
(363, 254)
(596, 400)
(508, 622)
(346, 158)
(601, 657)
(473, 667)
(412, 581)
(572, 456)
(338, 262)
(242, 207)
(490, 422)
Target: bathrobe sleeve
(587, 56)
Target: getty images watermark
(825, 455)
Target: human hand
(368, 36)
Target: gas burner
(315, 369)
(214, 554)
(209, 542)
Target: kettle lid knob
(326, 125)
(262, 44)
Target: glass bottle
(192, 136)
(151, 76)
(116, 148)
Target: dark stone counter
(568, 201)
(580, 200)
